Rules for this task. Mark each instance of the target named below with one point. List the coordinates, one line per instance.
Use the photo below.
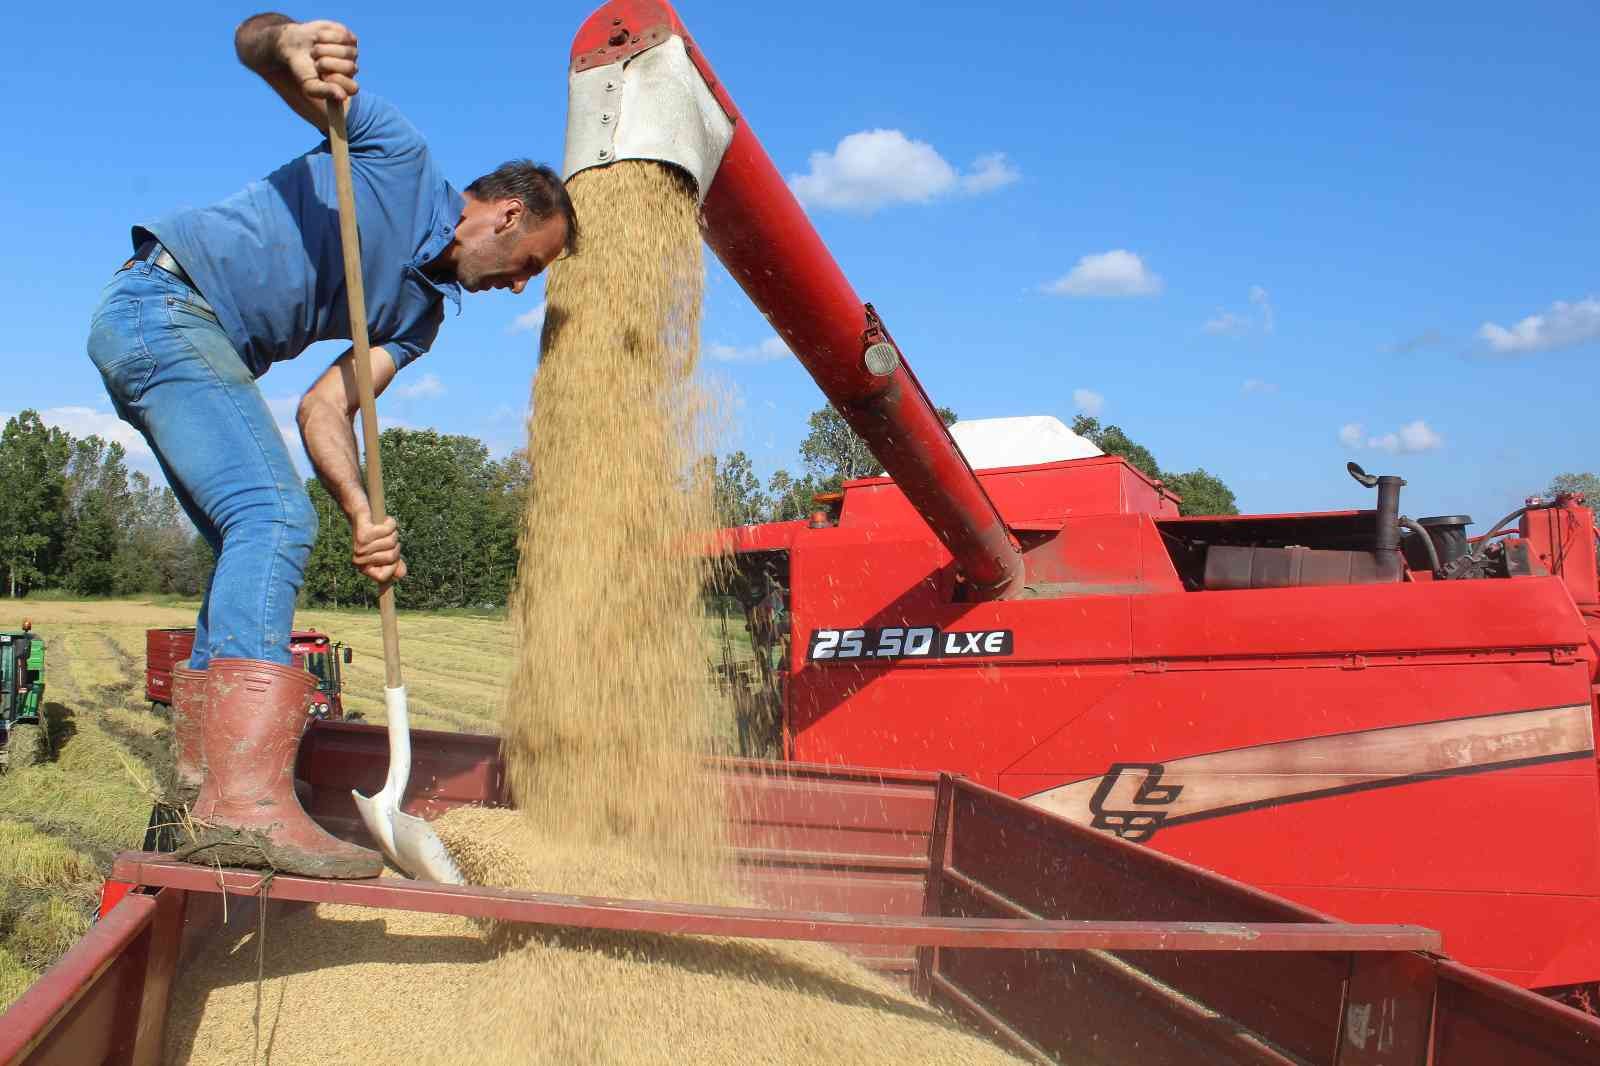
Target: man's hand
(377, 549)
(321, 57)
(306, 63)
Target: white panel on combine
(652, 106)
(992, 442)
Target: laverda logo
(1131, 801)
(1136, 800)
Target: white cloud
(764, 352)
(1564, 325)
(426, 387)
(1088, 401)
(1118, 272)
(1227, 324)
(874, 168)
(1259, 297)
(1256, 385)
(989, 172)
(1409, 439)
(529, 321)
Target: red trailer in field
(313, 651)
(1057, 941)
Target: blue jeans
(174, 376)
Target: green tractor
(24, 740)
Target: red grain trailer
(312, 651)
(1063, 943)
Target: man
(210, 300)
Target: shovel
(407, 841)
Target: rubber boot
(188, 713)
(247, 813)
(188, 731)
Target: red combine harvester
(1372, 716)
(1297, 701)
(313, 651)
(1034, 604)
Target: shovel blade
(421, 853)
(378, 814)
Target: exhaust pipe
(639, 88)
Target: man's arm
(326, 427)
(307, 63)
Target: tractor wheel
(27, 746)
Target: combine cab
(313, 652)
(24, 740)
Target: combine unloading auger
(641, 89)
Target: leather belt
(151, 251)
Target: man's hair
(541, 190)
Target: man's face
(501, 248)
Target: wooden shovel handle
(350, 237)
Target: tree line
(832, 454)
(74, 517)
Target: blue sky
(1263, 240)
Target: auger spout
(641, 89)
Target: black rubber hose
(1507, 520)
(1427, 541)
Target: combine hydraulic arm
(641, 89)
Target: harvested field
(93, 799)
(63, 820)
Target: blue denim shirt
(268, 259)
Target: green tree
(510, 484)
(330, 578)
(98, 506)
(458, 514)
(1200, 492)
(1588, 484)
(1113, 441)
(789, 498)
(193, 575)
(33, 463)
(833, 453)
(736, 492)
(156, 550)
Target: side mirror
(348, 655)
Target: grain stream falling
(610, 697)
